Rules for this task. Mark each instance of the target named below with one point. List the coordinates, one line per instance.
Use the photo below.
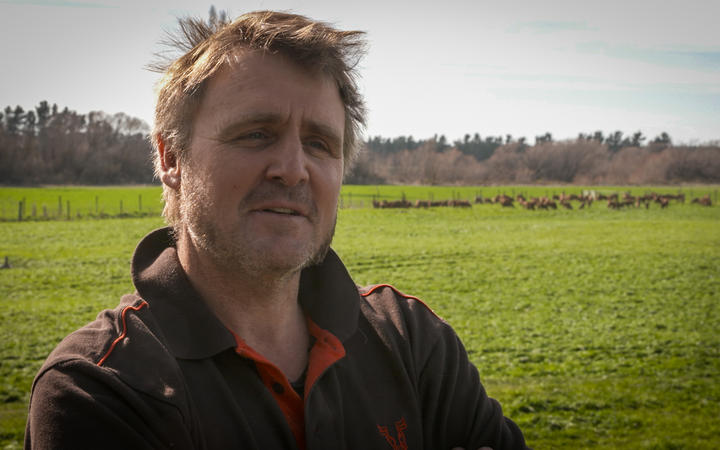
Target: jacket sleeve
(78, 405)
(456, 409)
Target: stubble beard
(230, 250)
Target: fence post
(59, 206)
(45, 216)
(68, 209)
(121, 207)
(96, 204)
(20, 211)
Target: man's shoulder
(122, 343)
(385, 306)
(94, 341)
(387, 299)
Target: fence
(89, 206)
(66, 209)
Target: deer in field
(704, 201)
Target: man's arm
(454, 407)
(455, 401)
(81, 406)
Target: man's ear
(169, 164)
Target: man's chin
(298, 260)
(318, 257)
(260, 254)
(273, 260)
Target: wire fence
(13, 209)
(73, 209)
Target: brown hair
(207, 45)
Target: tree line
(49, 145)
(483, 148)
(590, 159)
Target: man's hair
(207, 46)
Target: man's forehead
(259, 86)
(244, 59)
(243, 67)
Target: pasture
(83, 202)
(595, 328)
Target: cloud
(686, 58)
(62, 3)
(547, 26)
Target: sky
(446, 67)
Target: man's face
(259, 189)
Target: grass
(51, 203)
(594, 328)
(82, 202)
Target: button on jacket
(161, 371)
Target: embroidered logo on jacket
(398, 442)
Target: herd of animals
(613, 201)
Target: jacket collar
(327, 294)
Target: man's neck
(260, 308)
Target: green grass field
(83, 201)
(595, 328)
(146, 201)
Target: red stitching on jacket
(397, 444)
(124, 332)
(411, 297)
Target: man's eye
(250, 139)
(319, 145)
(254, 135)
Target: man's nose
(288, 162)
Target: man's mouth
(286, 211)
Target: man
(246, 330)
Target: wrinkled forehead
(241, 59)
(254, 83)
(311, 65)
(243, 67)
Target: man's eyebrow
(326, 131)
(225, 130)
